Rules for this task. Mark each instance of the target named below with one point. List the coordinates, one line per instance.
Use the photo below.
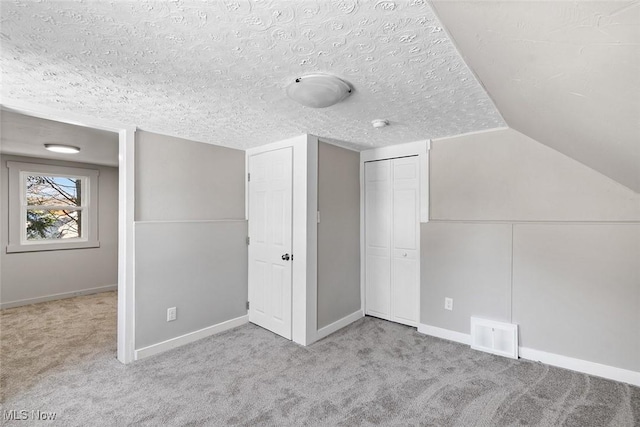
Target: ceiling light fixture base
(380, 123)
(318, 90)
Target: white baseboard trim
(573, 364)
(54, 297)
(339, 324)
(190, 337)
(444, 334)
(586, 367)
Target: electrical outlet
(171, 314)
(448, 303)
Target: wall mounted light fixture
(318, 90)
(62, 148)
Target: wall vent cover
(494, 337)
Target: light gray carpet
(371, 373)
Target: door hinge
(248, 240)
(247, 305)
(248, 177)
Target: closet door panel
(405, 205)
(405, 243)
(378, 211)
(405, 292)
(378, 287)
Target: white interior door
(378, 238)
(392, 239)
(270, 258)
(405, 257)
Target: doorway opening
(122, 174)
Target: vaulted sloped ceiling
(566, 74)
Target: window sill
(52, 246)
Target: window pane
(53, 190)
(53, 224)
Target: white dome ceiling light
(318, 90)
(380, 123)
(62, 148)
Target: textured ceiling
(566, 74)
(26, 136)
(217, 71)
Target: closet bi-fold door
(392, 239)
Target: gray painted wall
(190, 234)
(504, 175)
(178, 179)
(338, 233)
(198, 267)
(576, 290)
(524, 234)
(31, 277)
(470, 263)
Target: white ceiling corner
(216, 71)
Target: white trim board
(579, 365)
(475, 132)
(55, 297)
(190, 337)
(446, 334)
(571, 363)
(188, 221)
(339, 324)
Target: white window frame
(18, 207)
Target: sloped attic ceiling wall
(566, 74)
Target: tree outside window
(54, 207)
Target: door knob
(286, 257)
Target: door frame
(304, 233)
(126, 198)
(417, 148)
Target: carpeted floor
(60, 357)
